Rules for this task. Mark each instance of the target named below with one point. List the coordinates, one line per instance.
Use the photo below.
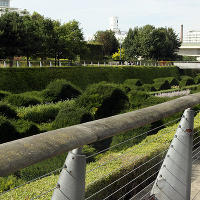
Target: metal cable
(195, 160)
(196, 138)
(196, 132)
(122, 166)
(132, 138)
(196, 148)
(31, 181)
(144, 195)
(195, 155)
(132, 180)
(125, 175)
(143, 190)
(139, 146)
(138, 185)
(44, 193)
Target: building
(5, 5)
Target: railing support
(174, 178)
(71, 183)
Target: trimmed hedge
(59, 90)
(197, 79)
(172, 81)
(28, 79)
(149, 87)
(186, 80)
(8, 111)
(133, 82)
(7, 130)
(162, 85)
(22, 100)
(3, 94)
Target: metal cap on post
(71, 183)
(174, 178)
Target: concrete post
(98, 64)
(60, 64)
(17, 63)
(50, 63)
(29, 63)
(71, 183)
(84, 64)
(40, 64)
(4, 63)
(174, 178)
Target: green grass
(161, 142)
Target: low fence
(21, 153)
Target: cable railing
(134, 170)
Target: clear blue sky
(94, 15)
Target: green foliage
(59, 90)
(186, 80)
(8, 111)
(7, 183)
(172, 81)
(162, 85)
(197, 79)
(22, 100)
(133, 82)
(4, 94)
(116, 55)
(149, 87)
(103, 99)
(71, 114)
(25, 128)
(151, 43)
(40, 113)
(136, 98)
(19, 80)
(7, 130)
(108, 40)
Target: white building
(5, 5)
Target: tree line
(34, 36)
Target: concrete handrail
(24, 152)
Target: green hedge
(28, 79)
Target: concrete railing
(24, 152)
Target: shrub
(162, 85)
(40, 113)
(197, 79)
(172, 81)
(59, 90)
(25, 128)
(104, 99)
(8, 111)
(71, 114)
(186, 80)
(133, 82)
(7, 130)
(3, 94)
(22, 100)
(149, 87)
(136, 98)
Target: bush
(136, 98)
(3, 94)
(172, 81)
(71, 114)
(59, 90)
(149, 87)
(162, 85)
(40, 113)
(22, 100)
(25, 128)
(7, 130)
(197, 79)
(133, 82)
(186, 80)
(104, 99)
(8, 111)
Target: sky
(94, 15)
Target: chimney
(181, 36)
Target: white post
(174, 178)
(84, 64)
(50, 63)
(40, 64)
(17, 63)
(29, 63)
(4, 63)
(98, 64)
(60, 64)
(71, 183)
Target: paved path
(195, 187)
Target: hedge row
(19, 80)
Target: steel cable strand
(138, 185)
(132, 138)
(59, 169)
(36, 197)
(133, 180)
(143, 190)
(125, 175)
(196, 148)
(139, 146)
(195, 160)
(196, 195)
(105, 176)
(195, 155)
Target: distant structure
(5, 5)
(190, 43)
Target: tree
(151, 43)
(11, 34)
(116, 55)
(108, 40)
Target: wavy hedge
(28, 79)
